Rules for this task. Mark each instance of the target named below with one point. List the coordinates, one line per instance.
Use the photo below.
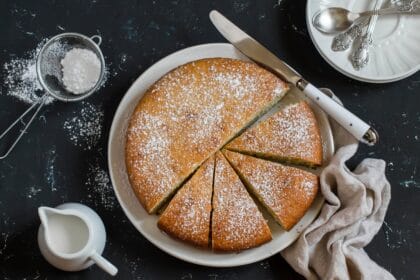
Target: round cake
(181, 123)
(187, 116)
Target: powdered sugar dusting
(189, 114)
(81, 70)
(154, 148)
(291, 134)
(236, 221)
(99, 187)
(20, 75)
(85, 127)
(309, 186)
(188, 214)
(21, 80)
(286, 191)
(296, 125)
(51, 172)
(237, 83)
(33, 192)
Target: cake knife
(258, 53)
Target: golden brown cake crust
(188, 115)
(237, 223)
(187, 216)
(291, 134)
(287, 192)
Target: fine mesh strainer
(48, 69)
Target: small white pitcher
(72, 237)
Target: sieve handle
(96, 39)
(38, 105)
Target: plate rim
(389, 79)
(113, 134)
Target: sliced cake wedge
(290, 135)
(187, 216)
(237, 223)
(286, 192)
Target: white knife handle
(353, 124)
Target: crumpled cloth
(354, 210)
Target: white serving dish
(147, 224)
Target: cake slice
(286, 192)
(290, 135)
(237, 223)
(187, 216)
(187, 116)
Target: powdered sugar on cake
(292, 129)
(189, 114)
(188, 214)
(236, 218)
(154, 149)
(296, 127)
(289, 133)
(286, 191)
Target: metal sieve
(48, 69)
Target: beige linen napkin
(354, 210)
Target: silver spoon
(360, 56)
(335, 19)
(342, 41)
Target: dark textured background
(143, 32)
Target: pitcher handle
(104, 264)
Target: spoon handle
(342, 41)
(360, 57)
(408, 8)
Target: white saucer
(147, 224)
(395, 54)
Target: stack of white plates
(395, 53)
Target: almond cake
(187, 216)
(286, 192)
(237, 223)
(187, 116)
(290, 135)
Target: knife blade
(261, 55)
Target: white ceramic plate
(146, 223)
(396, 43)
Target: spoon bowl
(334, 20)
